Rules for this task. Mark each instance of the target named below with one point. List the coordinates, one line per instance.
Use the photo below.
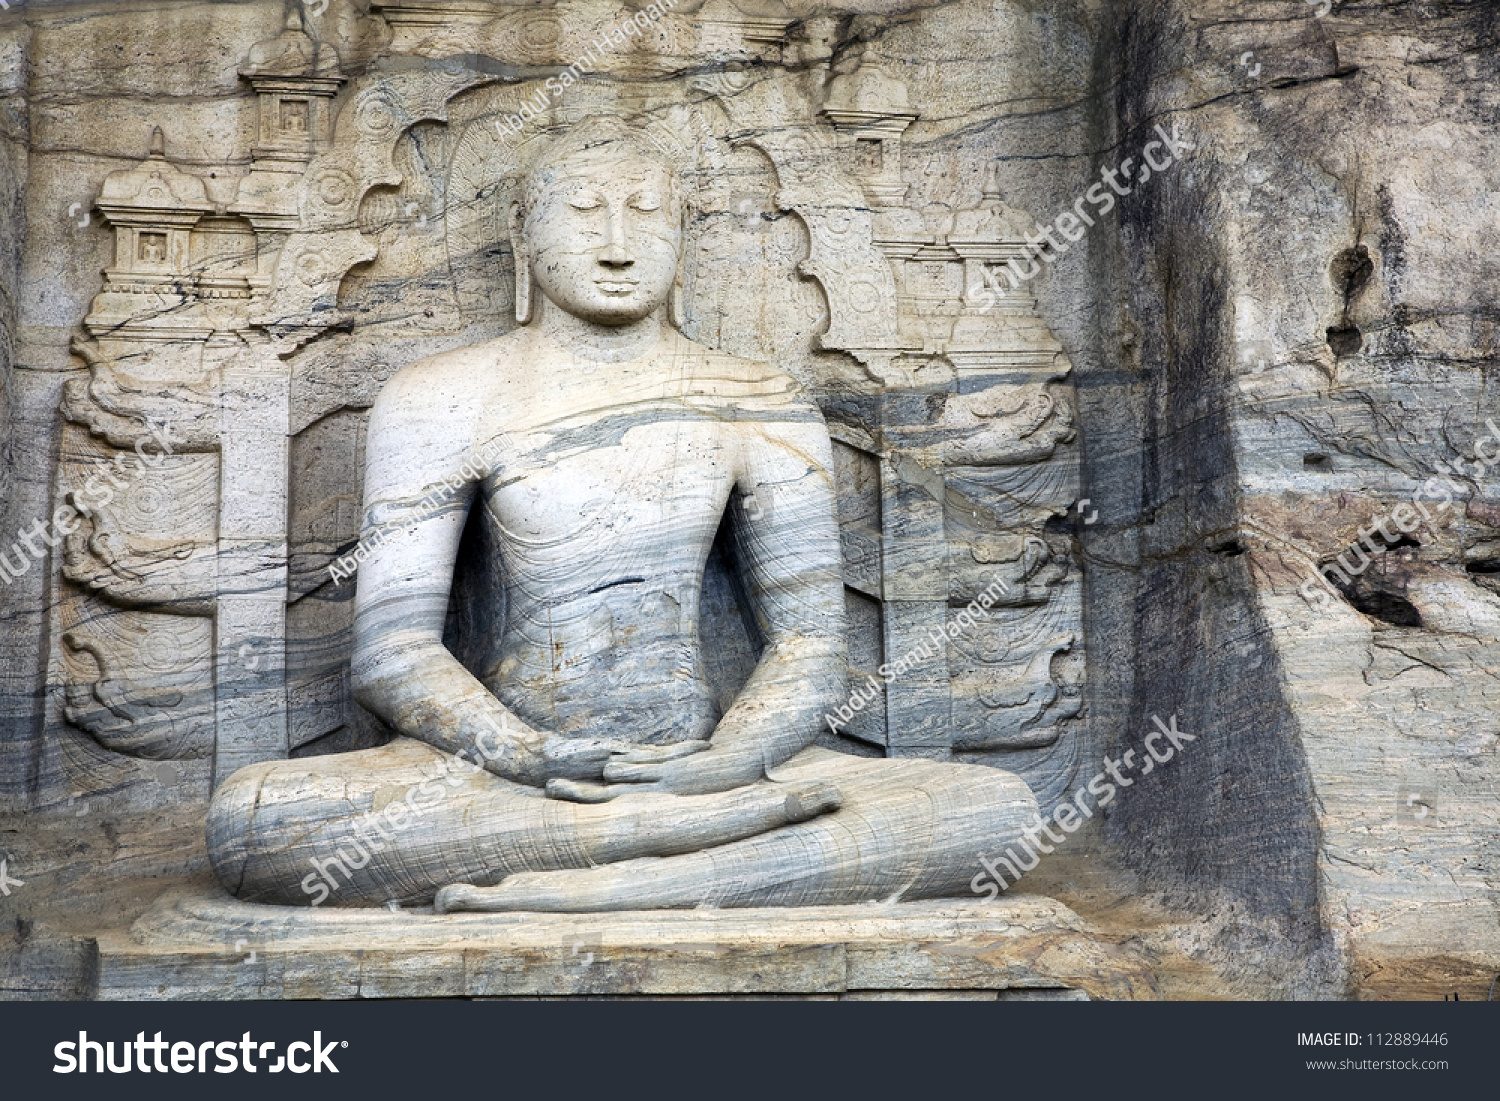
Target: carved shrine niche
(199, 616)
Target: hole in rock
(1386, 606)
(1351, 270)
(1379, 593)
(1485, 572)
(1385, 541)
(1345, 342)
(1316, 460)
(1232, 549)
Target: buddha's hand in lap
(560, 760)
(699, 772)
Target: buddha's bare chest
(631, 485)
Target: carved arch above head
(316, 257)
(698, 123)
(489, 162)
(854, 275)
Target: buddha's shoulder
(457, 373)
(730, 376)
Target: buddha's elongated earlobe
(677, 302)
(677, 298)
(522, 259)
(523, 287)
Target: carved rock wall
(18, 670)
(1262, 351)
(285, 246)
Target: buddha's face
(604, 230)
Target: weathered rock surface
(1020, 948)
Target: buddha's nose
(615, 254)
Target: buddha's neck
(594, 343)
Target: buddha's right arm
(418, 687)
(421, 474)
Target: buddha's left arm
(786, 549)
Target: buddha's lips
(615, 286)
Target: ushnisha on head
(599, 226)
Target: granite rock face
(1307, 308)
(1221, 431)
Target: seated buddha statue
(587, 766)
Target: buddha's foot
(717, 820)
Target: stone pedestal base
(210, 946)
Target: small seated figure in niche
(294, 116)
(153, 249)
(604, 776)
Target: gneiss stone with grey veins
(1244, 364)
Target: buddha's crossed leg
(396, 823)
(907, 829)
